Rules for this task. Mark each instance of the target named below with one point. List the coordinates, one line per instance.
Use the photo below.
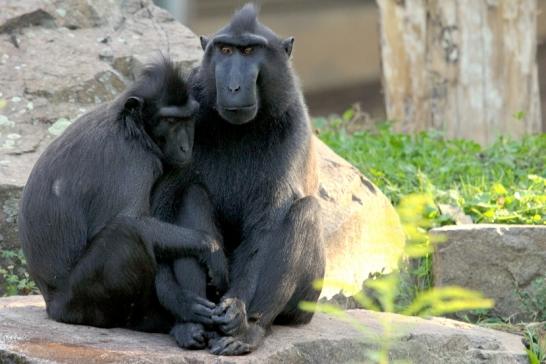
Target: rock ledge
(504, 262)
(28, 336)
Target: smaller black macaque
(84, 220)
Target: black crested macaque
(84, 220)
(254, 156)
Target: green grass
(535, 341)
(502, 183)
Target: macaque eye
(226, 50)
(248, 50)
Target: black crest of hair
(160, 83)
(245, 19)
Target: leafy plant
(13, 277)
(534, 299)
(535, 341)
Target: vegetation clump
(502, 183)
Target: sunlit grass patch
(502, 183)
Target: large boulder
(504, 262)
(362, 230)
(62, 58)
(28, 336)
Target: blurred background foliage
(501, 183)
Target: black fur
(84, 219)
(180, 284)
(257, 168)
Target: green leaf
(533, 358)
(440, 301)
(348, 115)
(519, 115)
(498, 189)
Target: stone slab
(504, 262)
(28, 336)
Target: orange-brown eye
(226, 50)
(248, 50)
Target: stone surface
(59, 59)
(28, 336)
(363, 233)
(503, 262)
(16, 15)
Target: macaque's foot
(230, 317)
(238, 345)
(189, 335)
(229, 345)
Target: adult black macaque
(84, 220)
(253, 154)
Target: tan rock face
(27, 335)
(362, 231)
(504, 262)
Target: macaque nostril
(234, 89)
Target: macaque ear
(287, 44)
(133, 103)
(204, 42)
